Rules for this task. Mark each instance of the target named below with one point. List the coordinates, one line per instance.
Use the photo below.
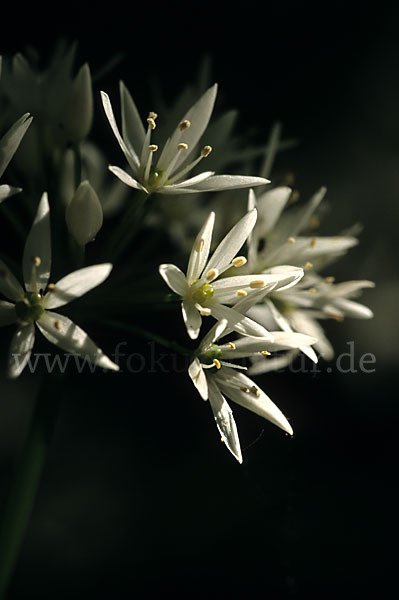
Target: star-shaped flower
(215, 377)
(31, 306)
(169, 174)
(204, 294)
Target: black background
(138, 498)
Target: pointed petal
(270, 205)
(38, 245)
(9, 285)
(232, 242)
(229, 182)
(353, 309)
(133, 130)
(302, 322)
(20, 349)
(11, 139)
(76, 284)
(278, 363)
(174, 278)
(349, 288)
(258, 403)
(6, 191)
(281, 341)
(186, 183)
(239, 322)
(126, 178)
(64, 333)
(217, 331)
(198, 378)
(225, 421)
(192, 319)
(129, 153)
(200, 250)
(7, 313)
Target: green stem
(23, 490)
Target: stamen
(265, 353)
(36, 261)
(205, 312)
(182, 146)
(313, 242)
(232, 345)
(51, 287)
(171, 165)
(239, 261)
(291, 240)
(152, 147)
(257, 284)
(58, 325)
(244, 389)
(212, 274)
(308, 265)
(336, 317)
(216, 362)
(314, 222)
(206, 150)
(241, 293)
(184, 124)
(200, 245)
(255, 390)
(312, 290)
(151, 123)
(329, 279)
(152, 115)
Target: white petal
(353, 309)
(187, 182)
(225, 421)
(229, 182)
(281, 341)
(126, 178)
(349, 288)
(174, 278)
(217, 331)
(20, 349)
(192, 319)
(130, 156)
(266, 365)
(198, 378)
(6, 191)
(232, 242)
(133, 130)
(38, 245)
(11, 139)
(239, 322)
(7, 313)
(259, 404)
(289, 275)
(270, 205)
(64, 333)
(9, 285)
(200, 250)
(76, 284)
(198, 115)
(306, 324)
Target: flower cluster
(253, 279)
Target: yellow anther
(57, 325)
(308, 265)
(314, 222)
(241, 293)
(255, 390)
(151, 123)
(36, 261)
(212, 274)
(239, 261)
(244, 389)
(329, 279)
(216, 362)
(152, 147)
(152, 115)
(312, 290)
(182, 146)
(265, 353)
(291, 240)
(51, 287)
(313, 242)
(184, 124)
(205, 312)
(232, 345)
(206, 150)
(257, 284)
(335, 316)
(200, 245)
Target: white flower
(84, 214)
(8, 146)
(169, 174)
(31, 306)
(215, 378)
(203, 294)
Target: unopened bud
(84, 214)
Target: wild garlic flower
(278, 236)
(8, 146)
(203, 293)
(168, 175)
(31, 306)
(216, 378)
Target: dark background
(138, 498)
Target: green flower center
(203, 293)
(155, 177)
(30, 309)
(208, 357)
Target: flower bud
(78, 114)
(84, 214)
